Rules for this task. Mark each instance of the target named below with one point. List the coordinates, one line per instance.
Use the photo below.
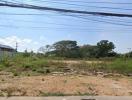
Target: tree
(105, 48)
(66, 48)
(45, 49)
(88, 51)
(129, 54)
(26, 53)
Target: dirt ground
(76, 62)
(69, 84)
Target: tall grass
(33, 64)
(30, 65)
(121, 65)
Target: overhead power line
(42, 22)
(32, 14)
(79, 5)
(49, 15)
(107, 21)
(89, 2)
(101, 20)
(78, 1)
(82, 5)
(65, 10)
(54, 28)
(43, 27)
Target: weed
(52, 94)
(85, 94)
(15, 74)
(2, 80)
(12, 91)
(41, 71)
(45, 65)
(47, 71)
(65, 81)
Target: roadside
(70, 98)
(65, 85)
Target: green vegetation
(53, 94)
(123, 66)
(118, 65)
(33, 65)
(21, 65)
(62, 94)
(10, 91)
(53, 59)
(70, 49)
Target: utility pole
(16, 46)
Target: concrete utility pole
(16, 46)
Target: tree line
(70, 49)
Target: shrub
(47, 71)
(52, 94)
(15, 74)
(121, 66)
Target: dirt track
(90, 85)
(75, 61)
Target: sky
(34, 31)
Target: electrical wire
(61, 10)
(89, 2)
(117, 22)
(86, 6)
(102, 21)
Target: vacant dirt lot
(68, 85)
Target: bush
(27, 65)
(52, 94)
(6, 63)
(41, 71)
(121, 66)
(15, 74)
(47, 71)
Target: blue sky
(34, 31)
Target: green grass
(63, 94)
(118, 65)
(52, 94)
(20, 65)
(34, 65)
(123, 66)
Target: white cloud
(35, 43)
(23, 43)
(44, 41)
(42, 38)
(13, 39)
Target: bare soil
(76, 62)
(65, 84)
